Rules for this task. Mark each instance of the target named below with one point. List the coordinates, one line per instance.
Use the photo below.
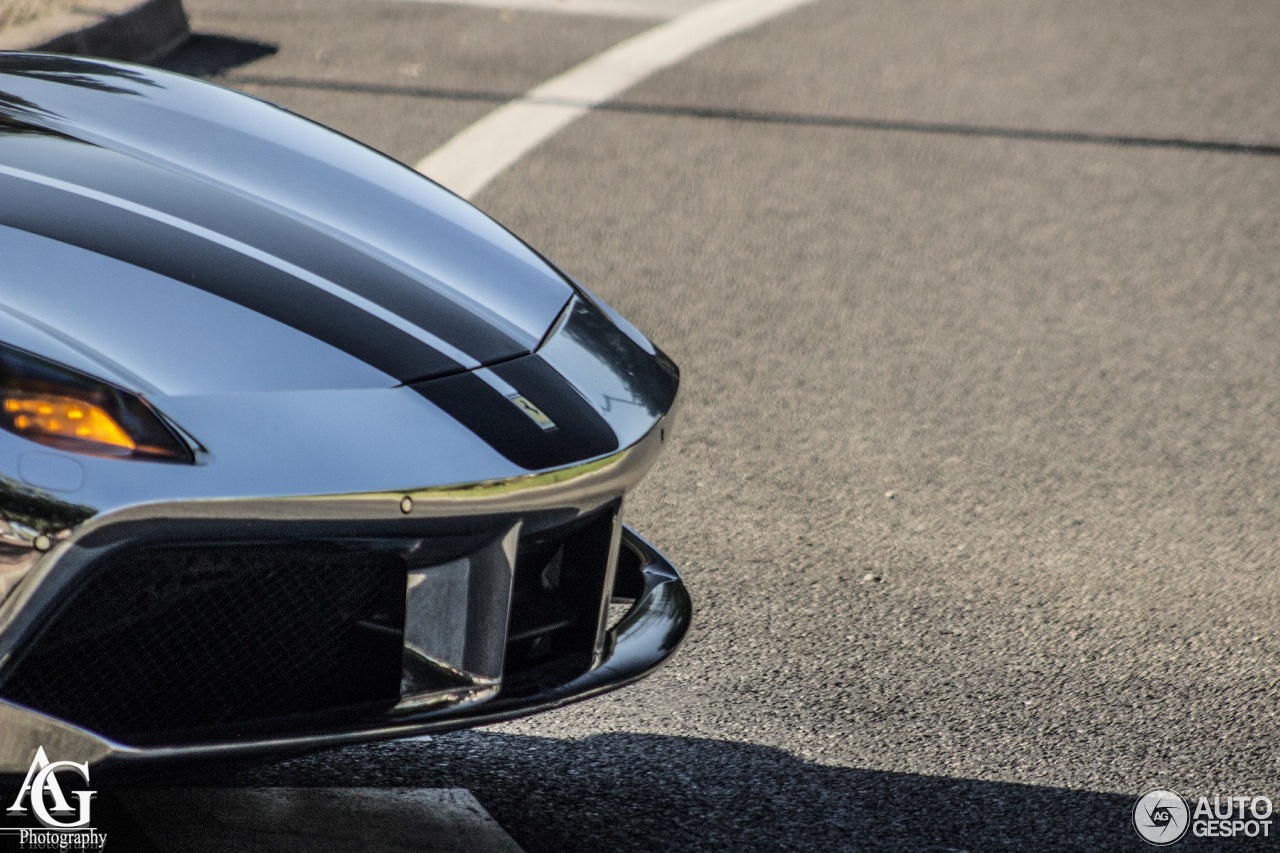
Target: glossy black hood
(179, 237)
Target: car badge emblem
(535, 414)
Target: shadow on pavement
(212, 55)
(631, 792)
(649, 792)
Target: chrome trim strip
(15, 562)
(463, 697)
(22, 731)
(581, 487)
(611, 574)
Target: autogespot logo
(1161, 817)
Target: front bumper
(388, 568)
(652, 628)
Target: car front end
(281, 466)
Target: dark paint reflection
(16, 114)
(71, 71)
(37, 509)
(651, 382)
(25, 513)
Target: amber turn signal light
(64, 417)
(53, 405)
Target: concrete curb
(317, 820)
(133, 30)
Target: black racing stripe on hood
(274, 232)
(580, 433)
(221, 270)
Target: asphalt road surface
(976, 480)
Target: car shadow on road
(211, 55)
(622, 792)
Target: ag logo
(41, 783)
(1161, 817)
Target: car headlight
(63, 408)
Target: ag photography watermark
(65, 826)
(1162, 817)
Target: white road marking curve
(468, 162)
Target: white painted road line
(651, 10)
(317, 820)
(468, 162)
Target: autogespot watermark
(1163, 817)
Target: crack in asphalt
(770, 117)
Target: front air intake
(160, 641)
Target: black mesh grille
(170, 639)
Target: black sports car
(296, 447)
